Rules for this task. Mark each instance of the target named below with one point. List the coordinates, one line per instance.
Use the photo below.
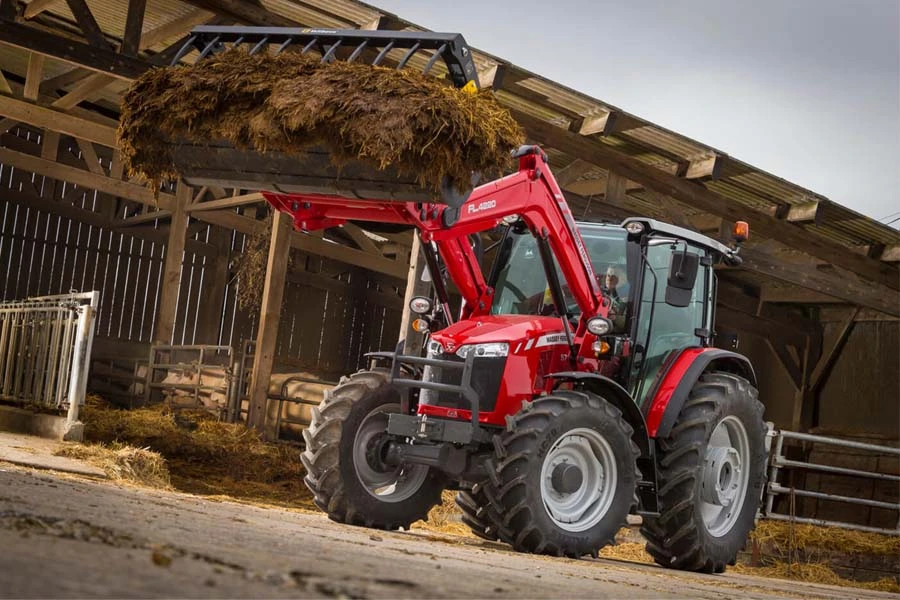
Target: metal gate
(779, 461)
(45, 348)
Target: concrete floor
(64, 535)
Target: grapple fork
(389, 48)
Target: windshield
(521, 286)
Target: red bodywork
(538, 345)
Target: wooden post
(214, 293)
(273, 293)
(414, 287)
(171, 281)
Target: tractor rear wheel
(564, 475)
(343, 469)
(711, 471)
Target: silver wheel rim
(585, 507)
(387, 486)
(725, 476)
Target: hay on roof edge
(291, 102)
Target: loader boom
(531, 194)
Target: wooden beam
(210, 320)
(596, 124)
(33, 76)
(4, 85)
(232, 202)
(267, 332)
(171, 279)
(36, 7)
(573, 171)
(310, 244)
(834, 284)
(616, 188)
(365, 243)
(174, 28)
(492, 76)
(101, 183)
(729, 318)
(891, 253)
(609, 123)
(251, 13)
(412, 339)
(88, 24)
(147, 217)
(789, 362)
(698, 196)
(674, 212)
(90, 158)
(63, 80)
(50, 146)
(134, 23)
(807, 212)
(820, 373)
(90, 85)
(55, 120)
(80, 54)
(705, 168)
(737, 297)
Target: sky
(808, 90)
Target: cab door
(662, 329)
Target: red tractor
(560, 401)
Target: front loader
(576, 383)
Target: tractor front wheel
(564, 475)
(342, 458)
(711, 471)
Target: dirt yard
(71, 536)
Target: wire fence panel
(45, 348)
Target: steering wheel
(520, 296)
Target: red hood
(495, 328)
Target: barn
(815, 304)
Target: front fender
(613, 393)
(678, 381)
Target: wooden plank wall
(332, 314)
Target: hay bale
(291, 102)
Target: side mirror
(682, 276)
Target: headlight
(489, 350)
(420, 305)
(599, 326)
(434, 348)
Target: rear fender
(678, 381)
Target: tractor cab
(658, 277)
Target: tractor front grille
(486, 376)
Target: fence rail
(779, 461)
(45, 348)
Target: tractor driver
(615, 284)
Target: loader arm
(531, 193)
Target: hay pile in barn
(121, 462)
(204, 455)
(806, 552)
(801, 536)
(289, 102)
